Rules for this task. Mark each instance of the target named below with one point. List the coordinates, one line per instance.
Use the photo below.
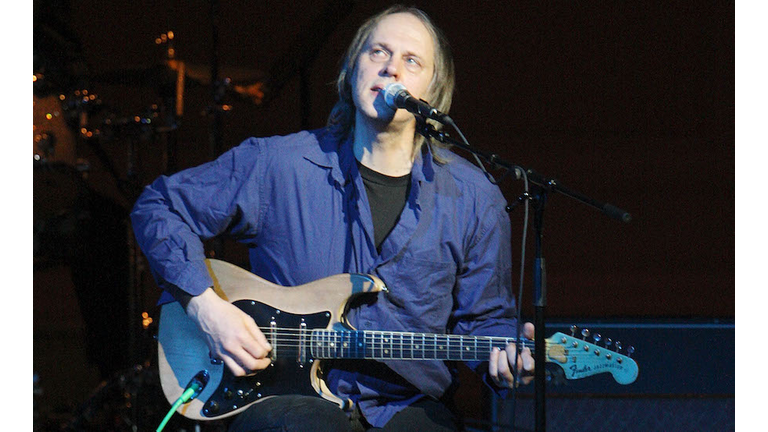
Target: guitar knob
(573, 330)
(211, 407)
(596, 337)
(618, 346)
(630, 351)
(584, 334)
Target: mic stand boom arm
(550, 185)
(545, 185)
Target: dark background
(630, 103)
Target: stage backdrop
(627, 103)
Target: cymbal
(142, 76)
(243, 82)
(202, 73)
(168, 72)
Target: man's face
(400, 49)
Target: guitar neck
(384, 345)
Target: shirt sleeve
(175, 214)
(485, 303)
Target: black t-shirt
(386, 196)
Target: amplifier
(686, 383)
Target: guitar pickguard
(290, 368)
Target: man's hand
(231, 334)
(501, 362)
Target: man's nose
(393, 67)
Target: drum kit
(90, 161)
(98, 137)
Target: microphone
(397, 96)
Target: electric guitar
(306, 324)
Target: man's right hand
(231, 334)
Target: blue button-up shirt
(299, 204)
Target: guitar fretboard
(330, 344)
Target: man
(366, 194)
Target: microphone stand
(544, 185)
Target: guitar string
(374, 347)
(450, 354)
(382, 337)
(383, 333)
(437, 353)
(396, 337)
(378, 344)
(290, 338)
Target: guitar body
(307, 323)
(183, 352)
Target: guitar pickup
(301, 359)
(273, 338)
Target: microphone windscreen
(390, 94)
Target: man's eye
(412, 63)
(378, 53)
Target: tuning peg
(584, 334)
(630, 351)
(573, 330)
(596, 337)
(618, 346)
(608, 342)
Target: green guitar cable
(192, 390)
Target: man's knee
(316, 410)
(292, 413)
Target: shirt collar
(333, 152)
(423, 168)
(336, 154)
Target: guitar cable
(193, 389)
(520, 173)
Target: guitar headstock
(580, 359)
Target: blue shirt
(299, 204)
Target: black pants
(310, 413)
